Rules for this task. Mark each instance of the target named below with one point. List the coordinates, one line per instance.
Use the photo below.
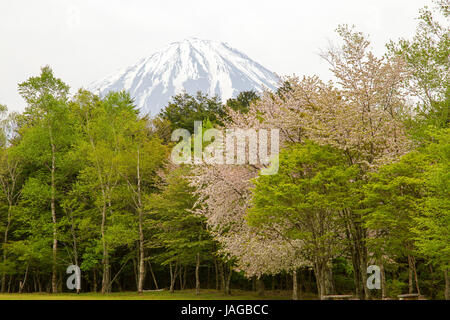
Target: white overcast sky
(86, 40)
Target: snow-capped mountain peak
(190, 65)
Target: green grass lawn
(160, 295)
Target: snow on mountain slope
(191, 65)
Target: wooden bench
(338, 297)
(157, 290)
(410, 296)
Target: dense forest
(364, 171)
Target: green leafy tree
(243, 100)
(432, 225)
(391, 200)
(103, 126)
(427, 57)
(45, 138)
(184, 109)
(10, 182)
(141, 158)
(303, 203)
(182, 233)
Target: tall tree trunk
(197, 276)
(173, 276)
(53, 209)
(35, 283)
(105, 260)
(217, 273)
(8, 224)
(227, 286)
(141, 228)
(351, 229)
(416, 279)
(222, 277)
(141, 255)
(135, 269)
(410, 275)
(357, 275)
(323, 278)
(329, 279)
(180, 276)
(260, 287)
(74, 239)
(363, 256)
(319, 283)
(383, 281)
(294, 285)
(39, 283)
(432, 286)
(22, 283)
(153, 275)
(185, 278)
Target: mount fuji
(190, 65)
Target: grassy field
(160, 295)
